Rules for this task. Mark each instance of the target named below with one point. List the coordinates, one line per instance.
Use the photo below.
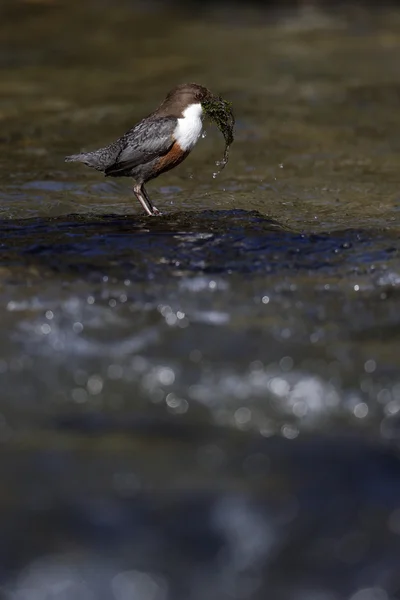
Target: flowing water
(202, 405)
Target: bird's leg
(138, 191)
(153, 208)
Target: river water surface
(205, 405)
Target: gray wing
(149, 139)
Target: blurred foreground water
(203, 405)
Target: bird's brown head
(181, 97)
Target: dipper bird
(156, 144)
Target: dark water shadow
(235, 241)
(289, 515)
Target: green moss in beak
(220, 111)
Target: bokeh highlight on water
(203, 405)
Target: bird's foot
(156, 212)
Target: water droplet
(361, 410)
(220, 164)
(286, 363)
(370, 366)
(77, 327)
(166, 376)
(79, 395)
(242, 416)
(204, 134)
(94, 385)
(289, 431)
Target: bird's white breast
(189, 127)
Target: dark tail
(98, 160)
(77, 158)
